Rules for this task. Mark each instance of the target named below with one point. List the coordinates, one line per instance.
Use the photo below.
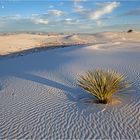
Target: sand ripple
(39, 98)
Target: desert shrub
(102, 84)
(129, 31)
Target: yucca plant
(102, 84)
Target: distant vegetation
(102, 84)
(129, 31)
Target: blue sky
(69, 16)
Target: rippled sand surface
(39, 98)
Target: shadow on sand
(71, 93)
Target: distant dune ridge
(39, 95)
(19, 42)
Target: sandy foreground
(39, 97)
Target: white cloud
(35, 15)
(34, 19)
(55, 12)
(77, 6)
(79, 9)
(105, 9)
(40, 21)
(13, 17)
(70, 21)
(96, 14)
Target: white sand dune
(39, 98)
(115, 46)
(21, 42)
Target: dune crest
(20, 42)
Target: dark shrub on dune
(130, 31)
(102, 84)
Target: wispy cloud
(78, 6)
(22, 23)
(13, 17)
(40, 21)
(34, 18)
(106, 8)
(98, 13)
(55, 12)
(69, 21)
